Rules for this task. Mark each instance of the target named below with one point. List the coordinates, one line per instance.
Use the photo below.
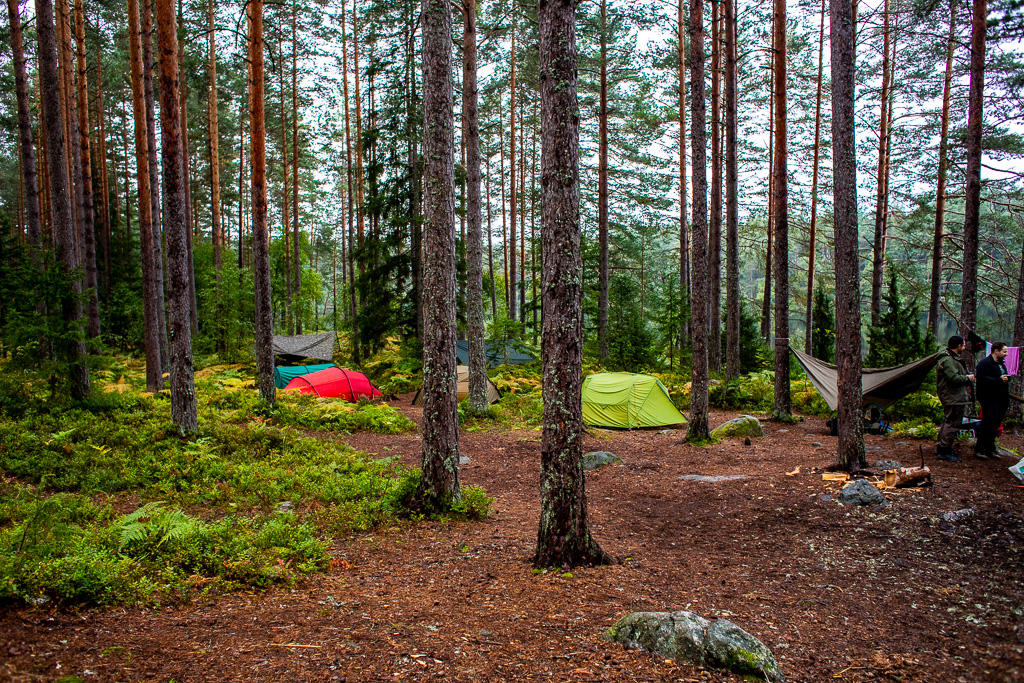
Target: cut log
(913, 476)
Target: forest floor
(838, 594)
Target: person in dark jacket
(954, 386)
(994, 397)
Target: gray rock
(810, 434)
(689, 638)
(887, 465)
(827, 498)
(713, 478)
(744, 425)
(902, 443)
(285, 506)
(958, 515)
(861, 492)
(464, 460)
(597, 459)
(816, 444)
(783, 431)
(667, 431)
(872, 448)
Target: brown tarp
(880, 386)
(493, 395)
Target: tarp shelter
(286, 373)
(295, 348)
(496, 354)
(334, 382)
(626, 400)
(462, 379)
(879, 386)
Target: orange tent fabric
(334, 382)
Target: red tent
(334, 382)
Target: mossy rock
(691, 639)
(598, 459)
(742, 426)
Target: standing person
(994, 397)
(954, 385)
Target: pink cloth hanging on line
(1012, 360)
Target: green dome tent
(286, 373)
(626, 400)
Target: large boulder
(691, 639)
(742, 426)
(597, 459)
(861, 492)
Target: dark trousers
(950, 427)
(992, 415)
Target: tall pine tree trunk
(972, 194)
(33, 217)
(732, 234)
(766, 301)
(187, 180)
(352, 203)
(715, 224)
(474, 256)
(877, 254)
(513, 294)
(563, 535)
(602, 190)
(842, 33)
(812, 238)
(152, 299)
(439, 483)
(92, 295)
(780, 190)
(684, 238)
(214, 132)
(154, 178)
(940, 190)
(72, 349)
(698, 428)
(490, 245)
(260, 234)
(296, 252)
(183, 390)
(104, 175)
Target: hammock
(880, 386)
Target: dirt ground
(838, 594)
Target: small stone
(464, 460)
(285, 506)
(483, 632)
(827, 498)
(887, 465)
(861, 492)
(597, 459)
(902, 443)
(816, 444)
(958, 515)
(810, 434)
(783, 431)
(872, 448)
(713, 478)
(667, 431)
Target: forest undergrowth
(103, 502)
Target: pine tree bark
(698, 427)
(878, 255)
(602, 191)
(715, 224)
(104, 175)
(782, 408)
(260, 234)
(72, 349)
(474, 257)
(940, 190)
(563, 535)
(684, 238)
(33, 217)
(842, 34)
(214, 132)
(296, 235)
(183, 390)
(352, 204)
(513, 282)
(289, 311)
(812, 238)
(972, 193)
(732, 233)
(439, 482)
(190, 208)
(152, 299)
(88, 226)
(766, 301)
(146, 17)
(490, 245)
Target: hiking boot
(980, 456)
(948, 457)
(995, 455)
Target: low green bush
(919, 428)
